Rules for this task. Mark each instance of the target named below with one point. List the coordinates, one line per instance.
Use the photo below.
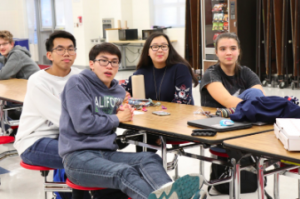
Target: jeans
(250, 94)
(44, 152)
(135, 174)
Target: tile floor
(20, 183)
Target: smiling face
(65, 61)
(160, 56)
(228, 52)
(5, 46)
(105, 73)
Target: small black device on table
(204, 132)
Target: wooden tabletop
(264, 144)
(175, 125)
(138, 41)
(13, 90)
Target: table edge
(261, 153)
(186, 137)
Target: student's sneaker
(183, 188)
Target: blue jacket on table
(265, 109)
(173, 83)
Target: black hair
(59, 34)
(104, 47)
(173, 58)
(230, 35)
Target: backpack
(247, 178)
(60, 176)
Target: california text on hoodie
(41, 108)
(88, 119)
(18, 64)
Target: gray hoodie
(88, 119)
(17, 64)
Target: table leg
(260, 179)
(123, 50)
(236, 179)
(144, 140)
(201, 163)
(299, 184)
(164, 152)
(2, 116)
(276, 182)
(231, 185)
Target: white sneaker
(183, 188)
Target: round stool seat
(292, 171)
(176, 142)
(75, 186)
(33, 167)
(6, 139)
(218, 153)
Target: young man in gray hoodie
(15, 62)
(91, 111)
(16, 59)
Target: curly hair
(6, 35)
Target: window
(169, 13)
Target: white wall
(109, 9)
(13, 17)
(138, 14)
(141, 14)
(126, 13)
(87, 30)
(177, 34)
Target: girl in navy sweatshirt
(168, 77)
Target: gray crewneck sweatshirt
(18, 64)
(88, 119)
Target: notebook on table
(214, 123)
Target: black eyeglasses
(104, 62)
(164, 47)
(62, 51)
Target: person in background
(15, 59)
(168, 76)
(15, 62)
(227, 83)
(87, 136)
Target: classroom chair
(7, 140)
(48, 186)
(80, 190)
(174, 163)
(213, 193)
(67, 186)
(216, 151)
